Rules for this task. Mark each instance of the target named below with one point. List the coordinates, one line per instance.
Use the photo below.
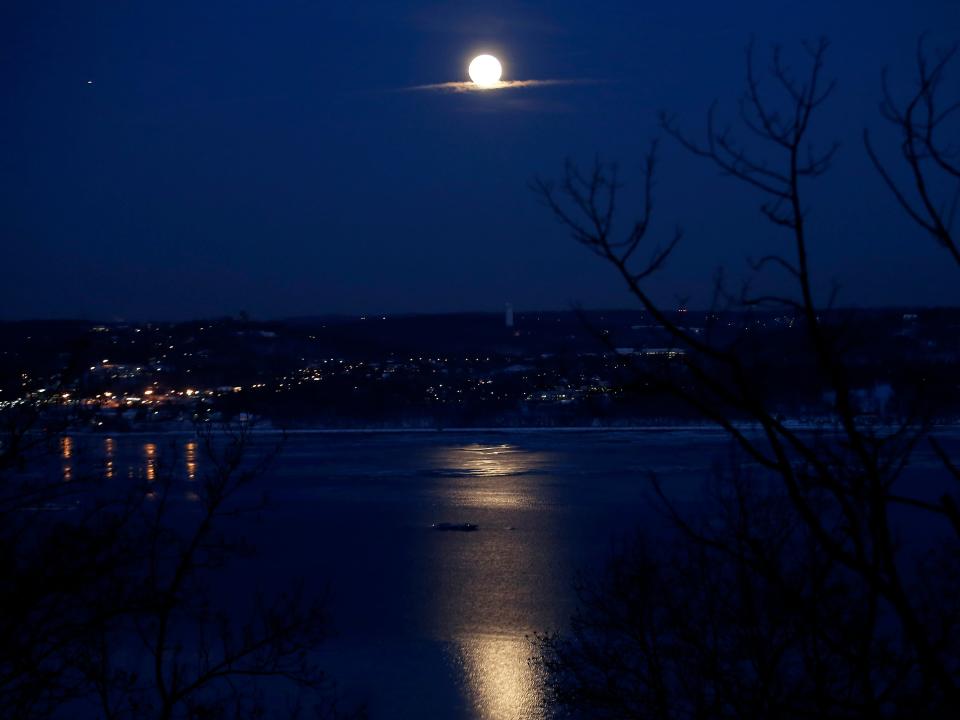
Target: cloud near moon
(469, 86)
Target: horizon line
(445, 313)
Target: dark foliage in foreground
(107, 590)
(740, 613)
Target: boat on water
(455, 527)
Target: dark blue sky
(262, 155)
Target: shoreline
(493, 430)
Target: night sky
(178, 159)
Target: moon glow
(485, 71)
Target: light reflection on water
(190, 459)
(483, 579)
(136, 460)
(150, 461)
(492, 460)
(109, 450)
(190, 463)
(503, 684)
(483, 592)
(66, 452)
(486, 476)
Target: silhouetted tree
(921, 122)
(107, 592)
(820, 585)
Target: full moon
(485, 70)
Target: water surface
(436, 624)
